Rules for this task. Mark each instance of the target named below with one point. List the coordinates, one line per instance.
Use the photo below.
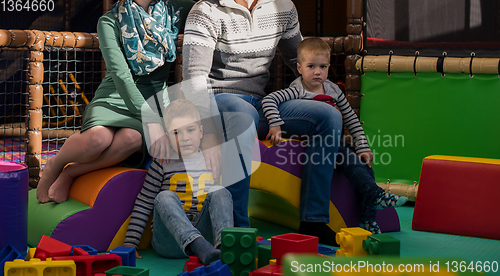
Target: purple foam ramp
(98, 225)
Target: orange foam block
(458, 195)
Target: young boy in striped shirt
(313, 61)
(190, 208)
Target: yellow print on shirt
(189, 189)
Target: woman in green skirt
(138, 43)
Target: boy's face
(314, 69)
(185, 135)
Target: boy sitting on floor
(190, 210)
(313, 57)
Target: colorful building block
(351, 241)
(239, 250)
(266, 242)
(292, 243)
(324, 250)
(127, 253)
(272, 269)
(455, 180)
(31, 253)
(381, 244)
(192, 263)
(77, 251)
(88, 265)
(37, 267)
(264, 253)
(216, 268)
(49, 247)
(87, 248)
(7, 254)
(127, 271)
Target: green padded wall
(452, 115)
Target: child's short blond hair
(180, 108)
(313, 45)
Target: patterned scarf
(149, 40)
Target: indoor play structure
(429, 110)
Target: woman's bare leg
(80, 147)
(125, 142)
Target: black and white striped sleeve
(352, 124)
(271, 102)
(144, 204)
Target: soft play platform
(96, 214)
(458, 195)
(101, 202)
(275, 192)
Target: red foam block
(268, 270)
(458, 197)
(192, 263)
(292, 243)
(88, 265)
(48, 247)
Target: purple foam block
(98, 225)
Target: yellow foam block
(36, 267)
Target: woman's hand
(274, 135)
(366, 157)
(212, 152)
(160, 147)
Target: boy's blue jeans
(320, 122)
(173, 231)
(362, 178)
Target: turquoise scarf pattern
(149, 39)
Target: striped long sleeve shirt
(188, 178)
(297, 90)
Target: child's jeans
(173, 231)
(362, 178)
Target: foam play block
(96, 213)
(458, 195)
(279, 203)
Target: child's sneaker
(371, 226)
(385, 200)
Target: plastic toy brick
(381, 244)
(77, 251)
(87, 248)
(192, 263)
(324, 250)
(272, 269)
(49, 247)
(8, 254)
(351, 241)
(127, 271)
(239, 250)
(41, 268)
(127, 253)
(259, 238)
(264, 251)
(265, 242)
(216, 268)
(292, 243)
(31, 253)
(88, 265)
